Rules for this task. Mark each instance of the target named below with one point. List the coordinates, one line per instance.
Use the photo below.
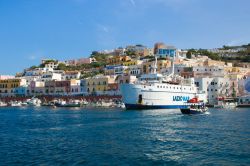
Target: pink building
(5, 77)
(75, 62)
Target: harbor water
(47, 136)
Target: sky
(31, 30)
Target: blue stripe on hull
(140, 107)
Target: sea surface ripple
(46, 136)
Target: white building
(71, 75)
(36, 88)
(134, 70)
(216, 87)
(35, 72)
(182, 54)
(75, 86)
(51, 77)
(208, 71)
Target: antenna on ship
(155, 66)
(173, 65)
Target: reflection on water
(48, 136)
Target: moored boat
(2, 104)
(71, 103)
(34, 102)
(194, 106)
(15, 104)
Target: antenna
(155, 66)
(173, 64)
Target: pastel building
(216, 88)
(57, 87)
(163, 51)
(83, 86)
(5, 77)
(21, 91)
(147, 66)
(35, 72)
(132, 62)
(99, 84)
(81, 61)
(135, 70)
(75, 86)
(167, 52)
(50, 64)
(49, 76)
(36, 88)
(71, 75)
(8, 86)
(126, 79)
(114, 70)
(118, 60)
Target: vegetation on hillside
(203, 52)
(100, 57)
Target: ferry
(158, 91)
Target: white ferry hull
(136, 96)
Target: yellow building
(210, 62)
(118, 60)
(235, 72)
(132, 62)
(99, 83)
(7, 86)
(161, 64)
(232, 69)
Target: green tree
(189, 55)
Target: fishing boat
(194, 106)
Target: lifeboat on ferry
(193, 100)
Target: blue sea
(47, 136)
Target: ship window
(161, 86)
(157, 86)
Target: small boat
(71, 103)
(2, 104)
(194, 106)
(48, 104)
(34, 102)
(15, 104)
